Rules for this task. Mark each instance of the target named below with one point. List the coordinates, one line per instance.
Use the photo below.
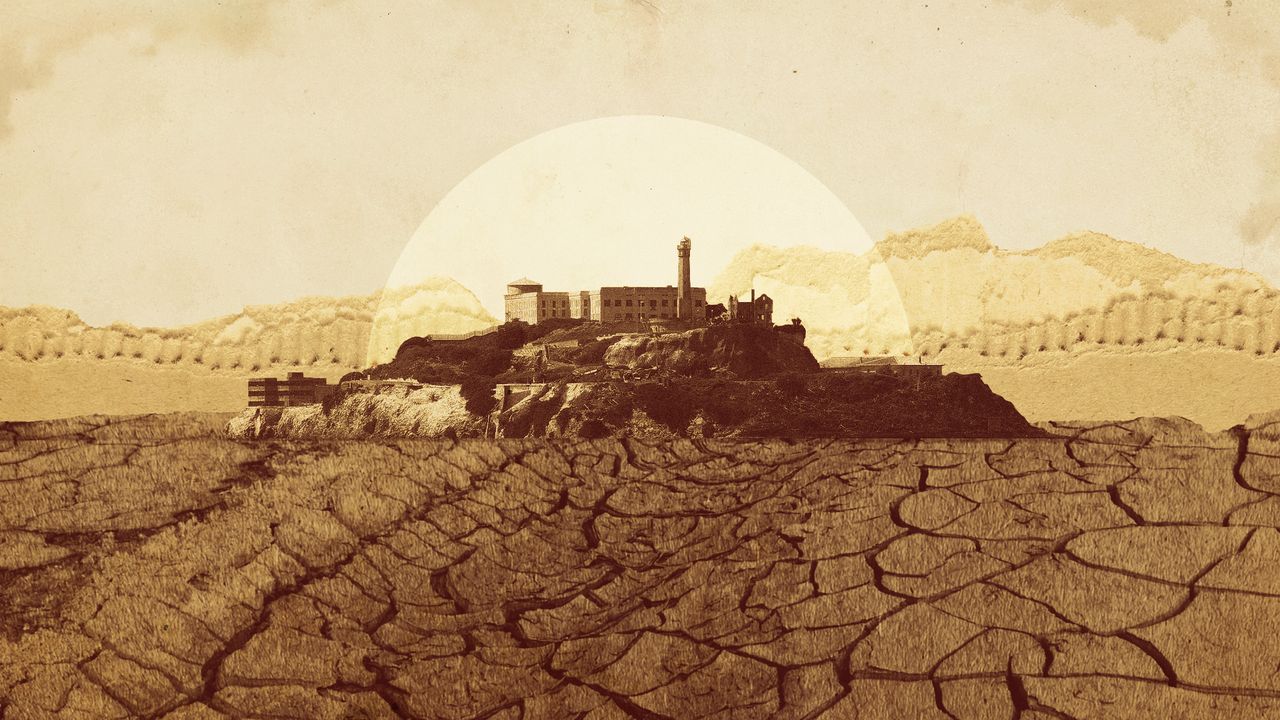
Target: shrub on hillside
(509, 336)
(673, 409)
(332, 399)
(478, 392)
(413, 342)
(593, 429)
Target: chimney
(684, 293)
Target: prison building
(296, 389)
(526, 299)
(618, 304)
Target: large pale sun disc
(604, 202)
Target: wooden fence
(462, 336)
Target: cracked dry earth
(153, 568)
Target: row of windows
(616, 316)
(652, 303)
(614, 303)
(643, 316)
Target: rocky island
(587, 380)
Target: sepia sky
(163, 163)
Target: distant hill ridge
(325, 332)
(1121, 259)
(964, 232)
(1081, 293)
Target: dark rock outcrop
(791, 406)
(745, 351)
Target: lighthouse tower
(684, 293)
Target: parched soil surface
(151, 567)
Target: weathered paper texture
(1078, 201)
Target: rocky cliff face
(830, 405)
(746, 351)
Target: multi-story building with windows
(527, 301)
(614, 304)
